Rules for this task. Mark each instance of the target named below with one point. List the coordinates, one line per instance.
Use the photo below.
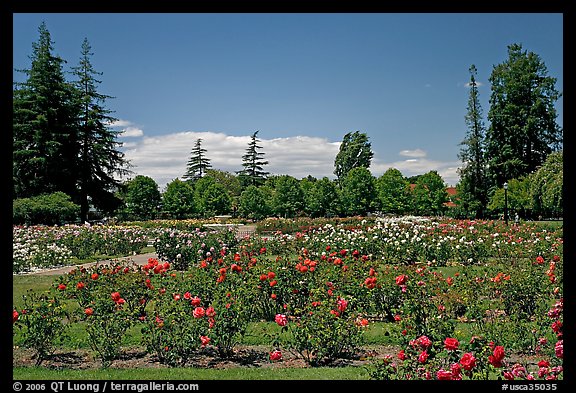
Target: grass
(192, 374)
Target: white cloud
(120, 123)
(164, 158)
(413, 153)
(131, 132)
(129, 128)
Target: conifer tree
(253, 163)
(472, 187)
(523, 129)
(44, 125)
(198, 164)
(99, 159)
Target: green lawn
(193, 374)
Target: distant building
(451, 191)
(452, 195)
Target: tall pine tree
(523, 129)
(44, 125)
(253, 163)
(99, 157)
(198, 164)
(472, 188)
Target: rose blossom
(275, 355)
(281, 319)
(468, 361)
(451, 344)
(198, 312)
(497, 356)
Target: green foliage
(44, 125)
(429, 195)
(323, 198)
(178, 199)
(523, 129)
(359, 194)
(61, 135)
(41, 319)
(355, 152)
(288, 199)
(99, 159)
(49, 209)
(141, 197)
(253, 163)
(198, 164)
(393, 192)
(473, 185)
(226, 179)
(253, 203)
(216, 200)
(547, 187)
(324, 330)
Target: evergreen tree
(355, 151)
(98, 156)
(253, 163)
(44, 125)
(198, 164)
(523, 129)
(472, 190)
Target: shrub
(49, 209)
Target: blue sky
(303, 80)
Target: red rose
(271, 275)
(275, 355)
(95, 276)
(281, 319)
(198, 312)
(195, 301)
(423, 357)
(15, 316)
(443, 375)
(61, 287)
(115, 296)
(451, 344)
(210, 312)
(88, 311)
(205, 340)
(401, 279)
(497, 356)
(342, 304)
(468, 361)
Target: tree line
(67, 155)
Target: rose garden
(443, 299)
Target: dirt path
(140, 259)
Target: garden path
(140, 259)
